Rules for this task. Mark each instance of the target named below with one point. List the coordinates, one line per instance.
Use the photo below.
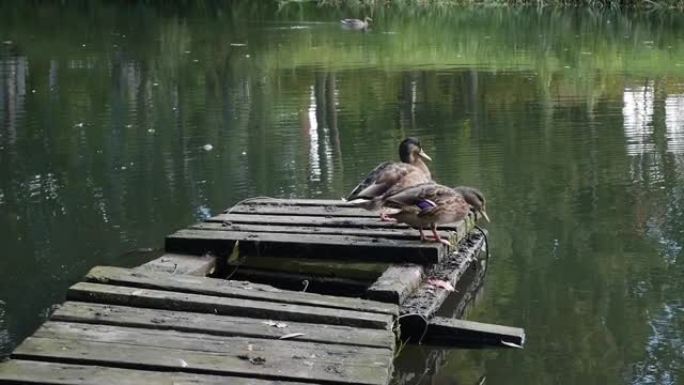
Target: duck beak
(484, 214)
(425, 156)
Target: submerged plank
(307, 246)
(181, 264)
(131, 296)
(259, 358)
(396, 283)
(219, 324)
(452, 332)
(304, 281)
(49, 373)
(227, 288)
(364, 271)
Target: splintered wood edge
(396, 283)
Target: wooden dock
(168, 322)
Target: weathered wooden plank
(296, 201)
(302, 220)
(181, 264)
(48, 373)
(227, 288)
(131, 296)
(453, 332)
(159, 349)
(287, 208)
(302, 281)
(345, 247)
(219, 324)
(396, 283)
(391, 233)
(426, 300)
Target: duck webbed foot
(386, 218)
(436, 237)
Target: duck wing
(385, 177)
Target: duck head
(475, 198)
(410, 151)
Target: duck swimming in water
(356, 24)
(390, 177)
(428, 205)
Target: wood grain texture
(19, 372)
(166, 350)
(181, 264)
(452, 332)
(227, 288)
(223, 325)
(391, 233)
(347, 247)
(426, 300)
(325, 221)
(396, 283)
(166, 300)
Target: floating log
(396, 283)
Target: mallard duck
(428, 205)
(356, 23)
(475, 199)
(389, 177)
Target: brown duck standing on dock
(356, 24)
(475, 199)
(428, 205)
(390, 177)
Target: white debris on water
(207, 147)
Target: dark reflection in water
(571, 121)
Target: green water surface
(571, 121)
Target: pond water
(571, 121)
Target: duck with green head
(390, 177)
